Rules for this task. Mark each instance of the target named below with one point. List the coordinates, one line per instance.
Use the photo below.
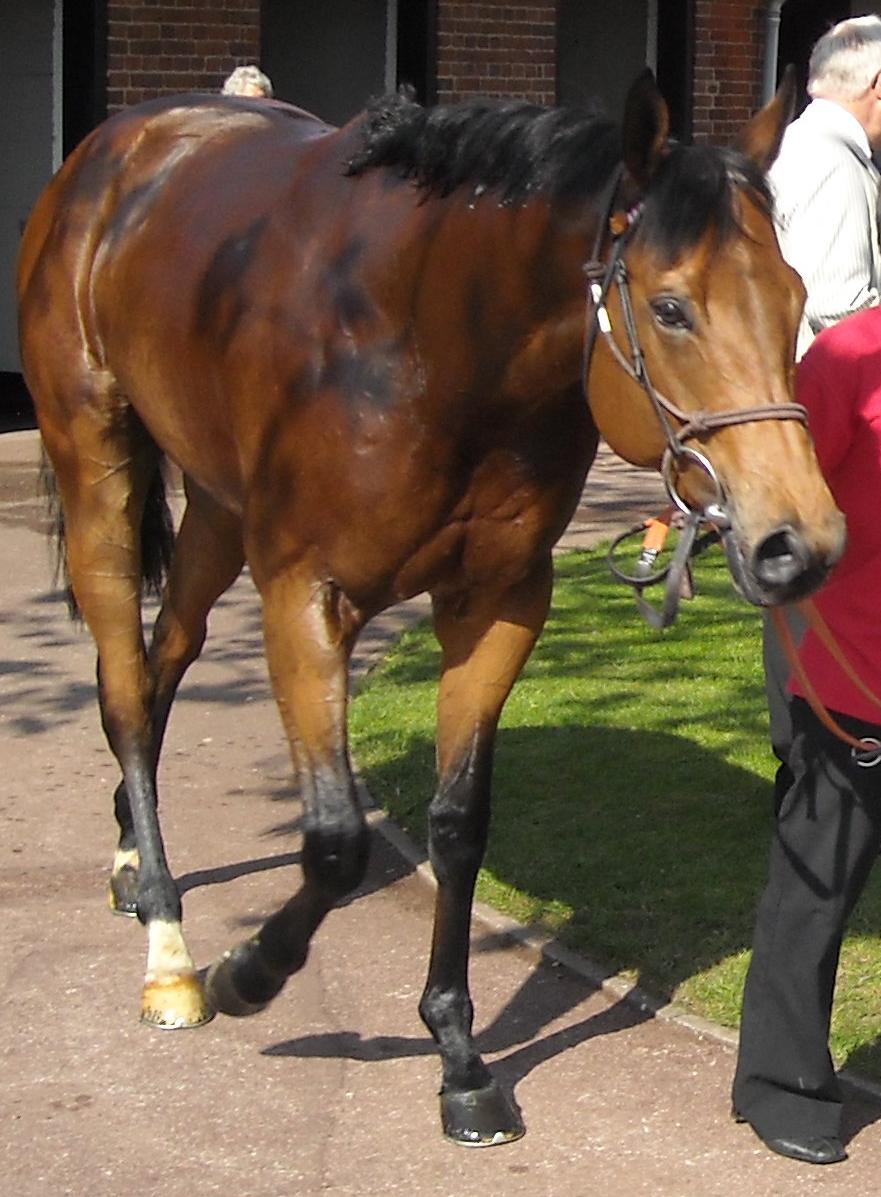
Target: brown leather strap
(818, 624)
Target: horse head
(693, 372)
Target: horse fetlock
(242, 982)
(336, 861)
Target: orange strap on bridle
(815, 620)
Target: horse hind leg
(485, 643)
(103, 465)
(208, 557)
(309, 630)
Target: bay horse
(366, 349)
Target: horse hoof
(222, 991)
(481, 1117)
(175, 1003)
(122, 893)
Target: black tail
(157, 533)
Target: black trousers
(827, 837)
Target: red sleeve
(827, 383)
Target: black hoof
(239, 984)
(481, 1117)
(122, 893)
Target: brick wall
(484, 47)
(495, 48)
(729, 42)
(160, 47)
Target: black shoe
(821, 1149)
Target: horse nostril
(781, 558)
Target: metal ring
(694, 455)
(873, 755)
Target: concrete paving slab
(332, 1090)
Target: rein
(866, 751)
(601, 277)
(677, 574)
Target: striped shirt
(826, 191)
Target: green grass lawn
(632, 807)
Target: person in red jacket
(828, 826)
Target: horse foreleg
(485, 645)
(309, 630)
(208, 558)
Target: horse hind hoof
(480, 1117)
(223, 993)
(122, 893)
(175, 1003)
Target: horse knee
(457, 832)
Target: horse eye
(672, 312)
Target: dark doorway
(417, 48)
(84, 69)
(328, 58)
(598, 56)
(801, 23)
(676, 63)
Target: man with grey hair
(826, 190)
(248, 81)
(825, 183)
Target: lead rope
(866, 751)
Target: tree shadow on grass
(658, 880)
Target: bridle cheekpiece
(677, 425)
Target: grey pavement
(332, 1090)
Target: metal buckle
(871, 757)
(714, 511)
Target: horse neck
(521, 273)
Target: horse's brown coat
(372, 390)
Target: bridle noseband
(601, 277)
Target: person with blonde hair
(248, 81)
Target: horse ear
(760, 139)
(646, 128)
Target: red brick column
(729, 48)
(158, 47)
(494, 48)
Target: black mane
(518, 150)
(510, 147)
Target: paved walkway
(333, 1089)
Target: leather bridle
(601, 277)
(677, 425)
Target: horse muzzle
(782, 567)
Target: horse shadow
(598, 825)
(708, 807)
